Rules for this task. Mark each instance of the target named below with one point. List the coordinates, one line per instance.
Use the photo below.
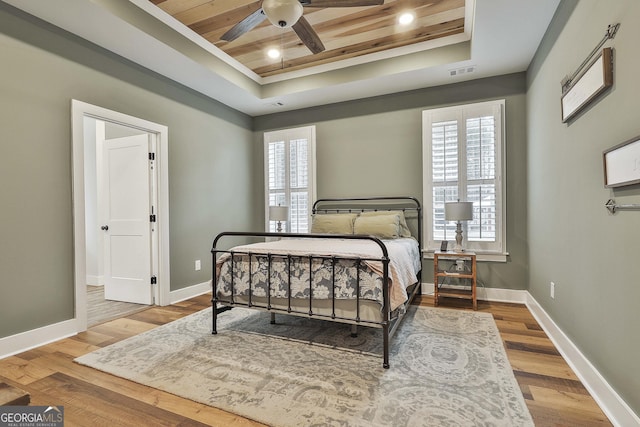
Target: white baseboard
(619, 413)
(489, 294)
(28, 340)
(189, 292)
(427, 288)
(95, 280)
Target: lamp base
(458, 247)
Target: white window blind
(462, 154)
(290, 176)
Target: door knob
(104, 227)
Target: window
(462, 155)
(289, 157)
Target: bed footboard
(329, 309)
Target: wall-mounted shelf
(592, 77)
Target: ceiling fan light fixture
(282, 13)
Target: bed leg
(273, 319)
(354, 331)
(217, 310)
(214, 320)
(385, 337)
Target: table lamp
(279, 214)
(458, 211)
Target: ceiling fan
(288, 13)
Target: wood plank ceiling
(346, 32)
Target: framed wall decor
(597, 77)
(622, 164)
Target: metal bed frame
(390, 320)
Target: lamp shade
(458, 211)
(282, 13)
(278, 213)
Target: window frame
(288, 135)
(496, 250)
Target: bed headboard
(409, 205)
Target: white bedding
(404, 255)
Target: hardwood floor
(100, 310)
(553, 393)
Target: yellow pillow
(382, 226)
(333, 223)
(404, 228)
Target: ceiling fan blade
(246, 25)
(341, 3)
(308, 35)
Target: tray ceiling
(500, 37)
(346, 32)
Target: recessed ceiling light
(273, 53)
(406, 18)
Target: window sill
(480, 256)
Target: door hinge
(152, 156)
(152, 218)
(154, 280)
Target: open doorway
(119, 187)
(120, 214)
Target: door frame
(160, 242)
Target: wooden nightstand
(445, 267)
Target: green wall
(210, 164)
(591, 255)
(373, 147)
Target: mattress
(301, 269)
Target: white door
(126, 224)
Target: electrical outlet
(198, 265)
(552, 288)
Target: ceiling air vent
(460, 71)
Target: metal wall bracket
(568, 81)
(613, 207)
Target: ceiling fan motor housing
(282, 13)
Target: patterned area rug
(448, 368)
